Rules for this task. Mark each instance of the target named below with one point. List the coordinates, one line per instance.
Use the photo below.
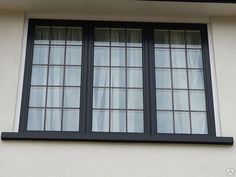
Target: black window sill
(131, 138)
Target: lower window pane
(182, 122)
(100, 121)
(165, 122)
(72, 76)
(199, 123)
(35, 119)
(53, 120)
(71, 120)
(55, 75)
(37, 96)
(181, 100)
(197, 100)
(118, 100)
(72, 97)
(100, 98)
(135, 98)
(135, 121)
(54, 97)
(164, 99)
(118, 121)
(134, 77)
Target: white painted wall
(83, 159)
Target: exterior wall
(90, 159)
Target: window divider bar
(148, 56)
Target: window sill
(115, 137)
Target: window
(118, 81)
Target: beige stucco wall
(80, 159)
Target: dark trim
(196, 1)
(131, 138)
(149, 101)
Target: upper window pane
(117, 37)
(74, 36)
(161, 38)
(134, 37)
(102, 37)
(177, 39)
(58, 35)
(41, 35)
(193, 39)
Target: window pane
(134, 77)
(55, 75)
(193, 39)
(199, 123)
(101, 56)
(72, 97)
(134, 37)
(163, 78)
(178, 58)
(165, 122)
(177, 39)
(39, 75)
(135, 98)
(179, 78)
(102, 37)
(194, 58)
(197, 100)
(53, 120)
(41, 35)
(54, 97)
(71, 120)
(164, 99)
(182, 122)
(35, 119)
(162, 57)
(74, 36)
(161, 38)
(57, 55)
(117, 56)
(37, 96)
(135, 121)
(58, 35)
(118, 121)
(73, 55)
(181, 100)
(134, 56)
(118, 100)
(117, 37)
(100, 121)
(100, 98)
(196, 80)
(73, 75)
(117, 77)
(101, 77)
(40, 55)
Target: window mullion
(148, 80)
(88, 87)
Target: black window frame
(85, 132)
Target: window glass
(180, 86)
(117, 81)
(55, 79)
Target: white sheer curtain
(106, 98)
